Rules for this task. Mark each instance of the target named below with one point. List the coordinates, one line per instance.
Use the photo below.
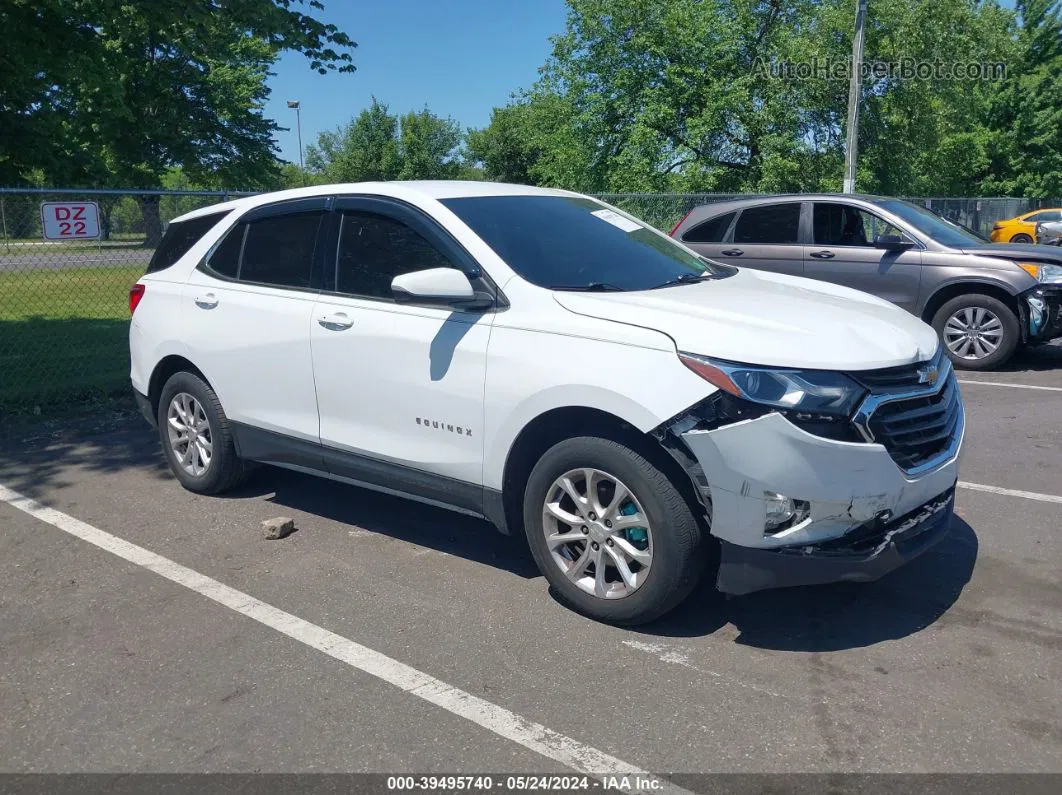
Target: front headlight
(814, 392)
(1051, 274)
(1046, 274)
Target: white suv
(552, 364)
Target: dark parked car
(984, 299)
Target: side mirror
(432, 286)
(892, 243)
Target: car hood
(1015, 251)
(770, 319)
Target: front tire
(196, 436)
(610, 532)
(978, 332)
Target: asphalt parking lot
(387, 636)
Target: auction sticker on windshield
(617, 220)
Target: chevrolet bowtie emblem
(928, 375)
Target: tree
(365, 149)
(667, 94)
(428, 146)
(377, 145)
(679, 95)
(135, 87)
(504, 147)
(1024, 143)
(536, 141)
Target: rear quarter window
(180, 236)
(710, 231)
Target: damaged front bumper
(1042, 313)
(863, 555)
(859, 503)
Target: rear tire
(196, 436)
(1021, 237)
(654, 524)
(992, 323)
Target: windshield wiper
(592, 287)
(686, 278)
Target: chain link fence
(64, 316)
(63, 302)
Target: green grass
(63, 335)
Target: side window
(225, 259)
(1044, 216)
(279, 249)
(179, 237)
(845, 225)
(373, 249)
(710, 231)
(773, 224)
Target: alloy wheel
(597, 533)
(188, 431)
(973, 332)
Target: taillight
(135, 294)
(676, 226)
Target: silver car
(1049, 233)
(984, 299)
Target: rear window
(710, 231)
(181, 236)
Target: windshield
(572, 243)
(932, 225)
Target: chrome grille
(918, 429)
(917, 423)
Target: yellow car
(1023, 228)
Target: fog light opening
(782, 512)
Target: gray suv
(984, 299)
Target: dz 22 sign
(70, 220)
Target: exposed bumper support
(1042, 313)
(866, 554)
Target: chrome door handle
(732, 252)
(822, 254)
(335, 322)
(208, 301)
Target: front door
(399, 386)
(843, 252)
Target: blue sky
(461, 58)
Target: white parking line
(500, 721)
(1011, 386)
(1028, 495)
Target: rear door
(766, 237)
(843, 252)
(247, 314)
(707, 238)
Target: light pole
(294, 104)
(852, 146)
